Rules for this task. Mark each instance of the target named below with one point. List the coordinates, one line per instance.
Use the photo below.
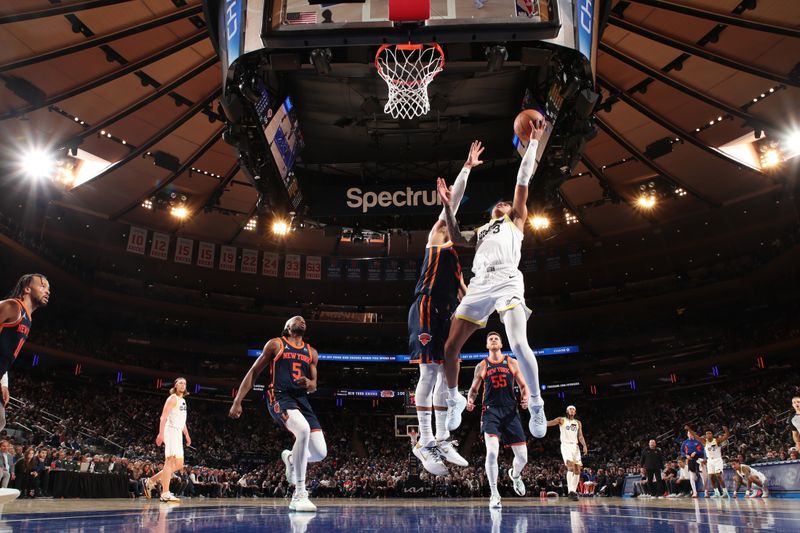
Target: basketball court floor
(406, 516)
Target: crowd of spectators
(56, 422)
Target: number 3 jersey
(498, 384)
(291, 364)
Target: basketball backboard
(316, 23)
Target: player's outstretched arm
(267, 355)
(726, 434)
(694, 435)
(459, 239)
(526, 170)
(438, 234)
(554, 422)
(477, 380)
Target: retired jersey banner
(137, 238)
(391, 270)
(334, 269)
(354, 270)
(313, 267)
(160, 245)
(205, 255)
(227, 258)
(291, 268)
(374, 270)
(183, 251)
(249, 261)
(269, 264)
(410, 270)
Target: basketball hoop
(408, 69)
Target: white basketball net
(408, 69)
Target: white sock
(492, 451)
(516, 323)
(425, 428)
(297, 424)
(693, 482)
(520, 459)
(440, 405)
(570, 475)
(452, 393)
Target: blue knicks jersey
(292, 363)
(441, 273)
(14, 334)
(498, 384)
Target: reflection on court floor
(404, 516)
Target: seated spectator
(25, 475)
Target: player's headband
(571, 407)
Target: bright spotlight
(792, 142)
(251, 224)
(37, 164)
(646, 201)
(280, 227)
(179, 212)
(539, 222)
(770, 158)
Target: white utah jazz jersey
(176, 418)
(713, 450)
(569, 431)
(499, 244)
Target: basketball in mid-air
(522, 126)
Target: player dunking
(715, 464)
(500, 417)
(171, 431)
(438, 290)
(498, 285)
(293, 374)
(571, 435)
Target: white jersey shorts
(715, 466)
(497, 290)
(173, 442)
(571, 453)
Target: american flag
(302, 17)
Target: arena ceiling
(124, 81)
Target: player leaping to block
(499, 286)
(436, 296)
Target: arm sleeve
(459, 186)
(528, 165)
(4, 380)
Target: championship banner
(227, 258)
(137, 238)
(313, 267)
(574, 256)
(528, 262)
(183, 251)
(553, 261)
(205, 255)
(160, 246)
(249, 261)
(291, 268)
(269, 264)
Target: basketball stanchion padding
(409, 10)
